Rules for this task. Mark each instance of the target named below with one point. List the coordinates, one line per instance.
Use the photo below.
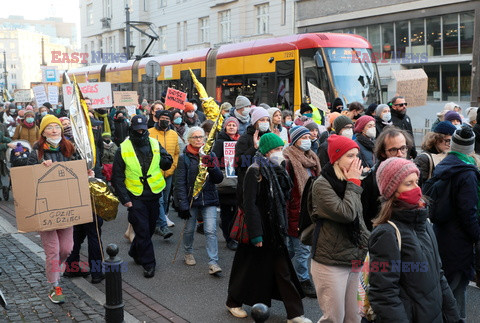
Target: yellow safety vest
(133, 170)
(316, 115)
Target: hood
(451, 166)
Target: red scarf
(28, 125)
(192, 150)
(234, 137)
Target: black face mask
(107, 141)
(139, 139)
(163, 124)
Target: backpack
(364, 307)
(438, 191)
(306, 227)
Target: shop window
(465, 81)
(450, 82)
(466, 32)
(434, 36)
(401, 31)
(450, 34)
(417, 37)
(388, 45)
(433, 90)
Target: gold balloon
(104, 203)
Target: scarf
(28, 125)
(365, 141)
(48, 147)
(234, 137)
(278, 193)
(300, 161)
(106, 123)
(339, 188)
(192, 150)
(464, 158)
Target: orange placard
(175, 98)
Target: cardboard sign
(23, 95)
(40, 94)
(53, 94)
(411, 84)
(175, 98)
(50, 198)
(229, 158)
(125, 98)
(131, 110)
(100, 93)
(317, 97)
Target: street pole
(5, 73)
(127, 30)
(154, 88)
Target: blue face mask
(19, 107)
(226, 115)
(288, 123)
(308, 115)
(177, 120)
(29, 120)
(44, 113)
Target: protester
(313, 128)
(206, 202)
(241, 111)
(401, 120)
(225, 110)
(138, 156)
(168, 139)
(287, 121)
(342, 235)
(306, 114)
(156, 106)
(121, 127)
(227, 194)
(9, 119)
(109, 150)
(27, 129)
(355, 110)
(471, 118)
(343, 126)
(454, 118)
(371, 110)
(457, 235)
(60, 111)
(262, 269)
(276, 124)
(190, 117)
(411, 295)
(337, 105)
(435, 147)
(476, 131)
(365, 132)
(450, 106)
(383, 117)
(301, 163)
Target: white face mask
(347, 133)
(195, 107)
(54, 141)
(263, 126)
(386, 117)
(371, 133)
(458, 126)
(190, 114)
(277, 158)
(305, 145)
(246, 111)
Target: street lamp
(131, 50)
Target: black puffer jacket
(415, 290)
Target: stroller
(21, 150)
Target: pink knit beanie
(361, 123)
(392, 172)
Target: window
(401, 33)
(162, 3)
(465, 81)
(388, 43)
(162, 38)
(107, 8)
(204, 29)
(450, 82)
(361, 31)
(374, 38)
(179, 36)
(262, 18)
(417, 35)
(284, 13)
(450, 34)
(185, 35)
(466, 32)
(225, 26)
(433, 89)
(89, 14)
(92, 46)
(434, 36)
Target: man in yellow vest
(138, 181)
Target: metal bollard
(260, 313)
(113, 286)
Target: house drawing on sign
(53, 188)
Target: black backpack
(438, 192)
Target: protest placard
(175, 98)
(23, 95)
(229, 158)
(317, 97)
(411, 84)
(100, 93)
(125, 98)
(131, 110)
(53, 94)
(41, 95)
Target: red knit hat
(361, 123)
(338, 146)
(392, 172)
(188, 107)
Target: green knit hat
(268, 142)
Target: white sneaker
(169, 222)
(237, 312)
(299, 319)
(214, 269)
(190, 260)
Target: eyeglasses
(197, 137)
(50, 128)
(394, 150)
(401, 104)
(349, 126)
(447, 141)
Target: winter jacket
(403, 122)
(29, 134)
(120, 131)
(370, 196)
(424, 164)
(417, 291)
(457, 236)
(187, 171)
(322, 153)
(168, 140)
(366, 155)
(109, 151)
(476, 130)
(379, 125)
(334, 247)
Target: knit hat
(160, 113)
(452, 115)
(231, 119)
(257, 114)
(48, 119)
(268, 142)
(265, 106)
(31, 113)
(392, 172)
(361, 123)
(271, 112)
(62, 118)
(445, 127)
(379, 109)
(106, 135)
(188, 107)
(304, 107)
(226, 106)
(29, 107)
(332, 116)
(242, 102)
(471, 113)
(340, 123)
(371, 109)
(338, 146)
(463, 140)
(336, 103)
(311, 125)
(297, 133)
(21, 113)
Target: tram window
(284, 83)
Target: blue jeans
(162, 218)
(210, 227)
(299, 253)
(458, 285)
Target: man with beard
(138, 181)
(402, 121)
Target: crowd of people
(354, 173)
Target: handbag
(228, 185)
(239, 231)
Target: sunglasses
(401, 104)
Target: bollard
(260, 313)
(113, 286)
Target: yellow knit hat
(48, 119)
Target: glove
(184, 215)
